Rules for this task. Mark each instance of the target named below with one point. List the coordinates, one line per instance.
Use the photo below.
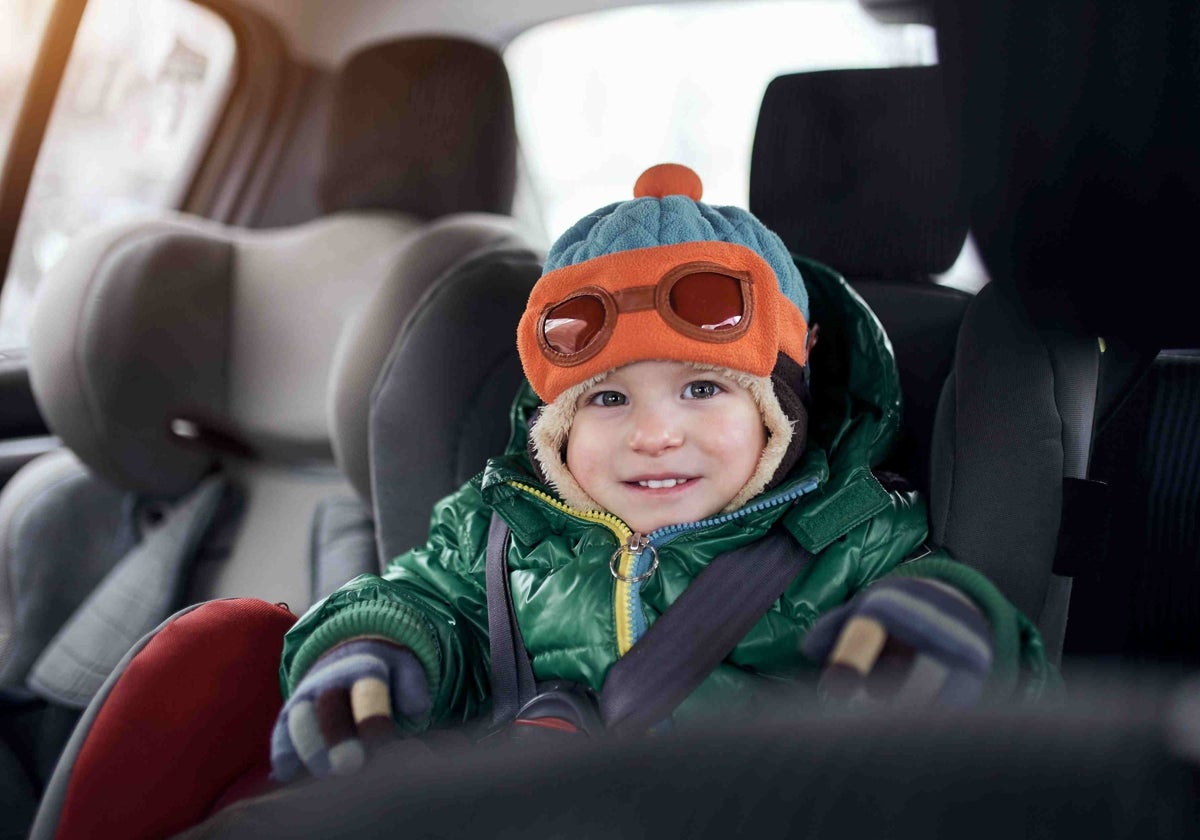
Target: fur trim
(779, 437)
(549, 437)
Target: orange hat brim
(775, 324)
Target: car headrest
(423, 126)
(431, 260)
(157, 347)
(1080, 125)
(441, 405)
(857, 169)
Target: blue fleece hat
(670, 220)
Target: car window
(142, 90)
(22, 23)
(601, 96)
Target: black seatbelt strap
(697, 632)
(512, 675)
(679, 650)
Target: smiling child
(666, 421)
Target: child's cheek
(740, 432)
(585, 458)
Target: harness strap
(512, 674)
(693, 636)
(674, 656)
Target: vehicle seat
(184, 364)
(858, 169)
(1066, 457)
(429, 432)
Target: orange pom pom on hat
(665, 276)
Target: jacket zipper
(668, 533)
(627, 594)
(623, 592)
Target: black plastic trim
(36, 107)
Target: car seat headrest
(857, 169)
(159, 347)
(375, 328)
(422, 126)
(1082, 123)
(441, 405)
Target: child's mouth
(661, 483)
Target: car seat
(858, 169)
(178, 360)
(201, 746)
(1066, 458)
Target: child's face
(697, 432)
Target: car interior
(219, 409)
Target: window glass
(599, 97)
(141, 93)
(22, 23)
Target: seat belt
(134, 598)
(512, 674)
(675, 655)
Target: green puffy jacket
(576, 619)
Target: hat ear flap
(790, 382)
(549, 430)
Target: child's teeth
(655, 484)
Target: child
(667, 344)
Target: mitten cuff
(395, 622)
(1003, 617)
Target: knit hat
(665, 276)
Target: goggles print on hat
(711, 298)
(701, 300)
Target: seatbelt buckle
(559, 708)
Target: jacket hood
(855, 385)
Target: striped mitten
(907, 640)
(346, 702)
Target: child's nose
(654, 432)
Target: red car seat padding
(190, 718)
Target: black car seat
(184, 365)
(858, 169)
(1066, 446)
(440, 427)
(439, 404)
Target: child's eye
(701, 390)
(608, 399)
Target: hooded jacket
(576, 619)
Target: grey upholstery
(425, 124)
(1080, 193)
(165, 350)
(145, 322)
(857, 168)
(132, 598)
(1005, 438)
(367, 341)
(343, 543)
(438, 428)
(36, 597)
(242, 351)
